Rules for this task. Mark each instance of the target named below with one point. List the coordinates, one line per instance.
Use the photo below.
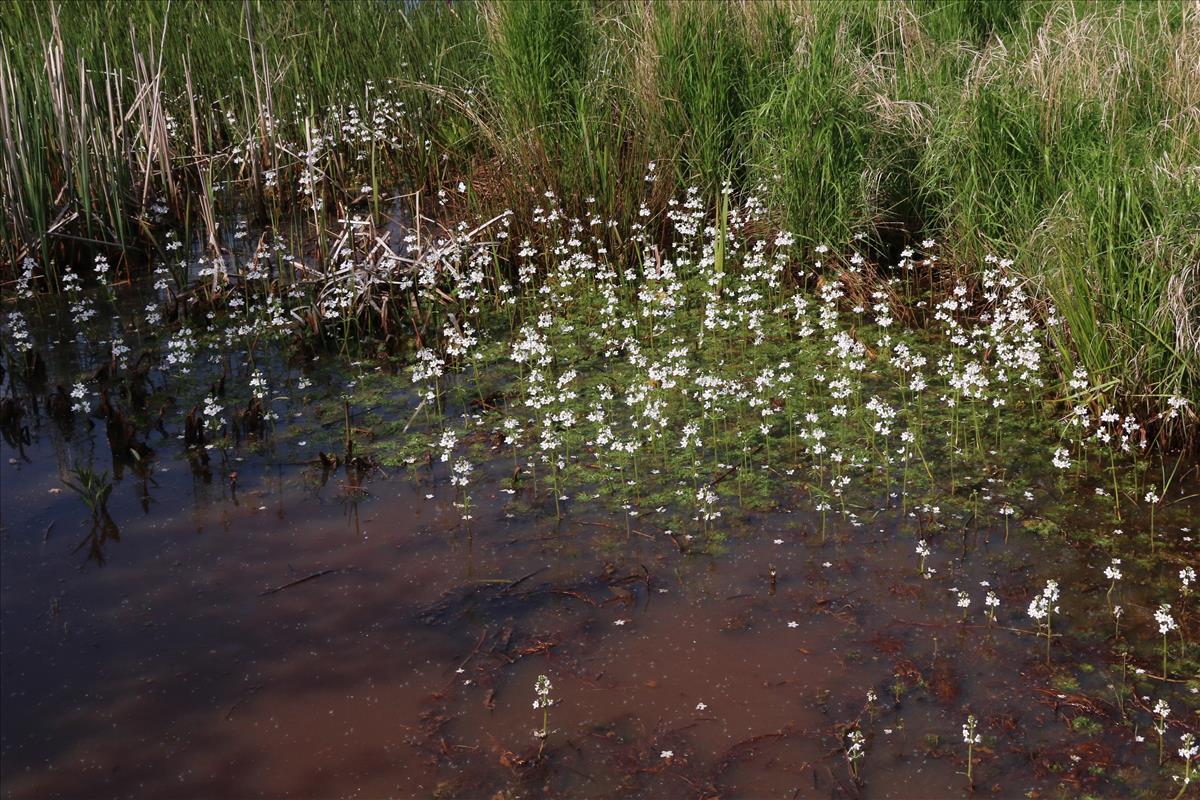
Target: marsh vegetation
(691, 399)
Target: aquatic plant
(855, 751)
(124, 118)
(461, 478)
(1042, 609)
(1153, 499)
(1113, 573)
(79, 396)
(970, 738)
(94, 488)
(1166, 623)
(962, 600)
(923, 552)
(1188, 750)
(1161, 712)
(1187, 576)
(690, 372)
(542, 689)
(991, 602)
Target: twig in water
(414, 416)
(246, 696)
(519, 581)
(299, 581)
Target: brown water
(151, 661)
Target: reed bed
(1063, 135)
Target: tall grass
(1074, 146)
(1063, 134)
(107, 107)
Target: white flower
(258, 384)
(1112, 572)
(968, 731)
(446, 443)
(691, 436)
(1062, 458)
(541, 688)
(1042, 605)
(1187, 577)
(212, 413)
(462, 472)
(1188, 748)
(1166, 623)
(80, 394)
(855, 750)
(1175, 402)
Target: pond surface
(258, 625)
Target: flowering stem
(1112, 462)
(1151, 529)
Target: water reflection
(101, 532)
(279, 623)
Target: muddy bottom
(291, 636)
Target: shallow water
(294, 632)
